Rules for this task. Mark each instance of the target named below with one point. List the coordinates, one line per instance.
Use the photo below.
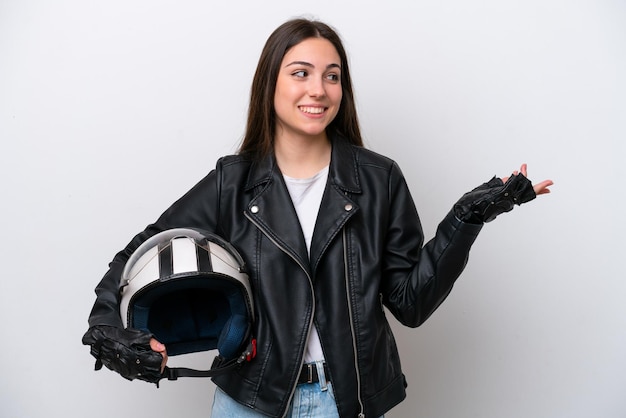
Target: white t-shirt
(306, 195)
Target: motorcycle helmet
(189, 288)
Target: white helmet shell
(189, 288)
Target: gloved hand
(491, 199)
(125, 351)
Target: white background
(109, 111)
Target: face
(308, 89)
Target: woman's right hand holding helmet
(132, 353)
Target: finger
(159, 348)
(542, 187)
(156, 346)
(524, 170)
(164, 361)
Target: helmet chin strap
(220, 365)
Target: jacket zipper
(283, 249)
(356, 359)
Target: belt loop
(321, 375)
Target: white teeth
(314, 110)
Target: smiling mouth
(313, 110)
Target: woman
(330, 235)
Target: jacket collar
(342, 172)
(280, 222)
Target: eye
(299, 73)
(333, 77)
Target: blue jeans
(310, 400)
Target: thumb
(159, 348)
(156, 345)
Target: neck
(302, 157)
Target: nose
(316, 88)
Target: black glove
(491, 199)
(125, 351)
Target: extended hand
(539, 188)
(487, 201)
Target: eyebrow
(308, 64)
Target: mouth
(312, 110)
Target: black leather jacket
(367, 252)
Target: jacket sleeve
(198, 208)
(417, 278)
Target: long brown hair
(258, 140)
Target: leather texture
(367, 257)
(125, 351)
